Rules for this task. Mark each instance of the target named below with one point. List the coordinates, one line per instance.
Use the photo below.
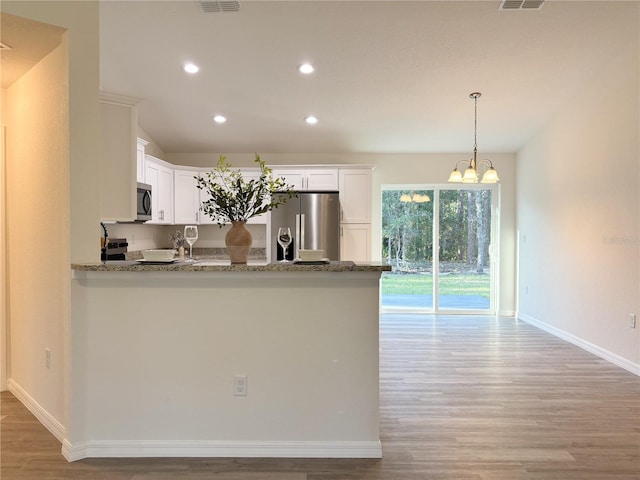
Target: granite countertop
(205, 264)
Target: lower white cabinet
(160, 177)
(355, 242)
(186, 197)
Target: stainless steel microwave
(144, 202)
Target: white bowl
(161, 255)
(311, 255)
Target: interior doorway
(439, 240)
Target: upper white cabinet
(355, 195)
(159, 175)
(186, 196)
(140, 159)
(118, 175)
(318, 179)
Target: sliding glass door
(407, 245)
(438, 239)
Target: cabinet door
(140, 160)
(186, 197)
(322, 179)
(151, 177)
(355, 196)
(291, 177)
(165, 202)
(160, 178)
(355, 242)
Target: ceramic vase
(238, 241)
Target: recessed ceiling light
(311, 120)
(191, 68)
(306, 68)
(219, 119)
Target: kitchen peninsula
(210, 359)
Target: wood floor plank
(461, 397)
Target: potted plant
(235, 199)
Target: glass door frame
(494, 247)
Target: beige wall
(579, 212)
(67, 230)
(38, 227)
(3, 252)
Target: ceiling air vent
(521, 4)
(212, 6)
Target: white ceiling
(391, 76)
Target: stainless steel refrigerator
(314, 220)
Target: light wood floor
(461, 398)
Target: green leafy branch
(233, 198)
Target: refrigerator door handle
(297, 242)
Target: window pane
(407, 245)
(465, 235)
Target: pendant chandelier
(471, 172)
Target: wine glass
(191, 236)
(284, 239)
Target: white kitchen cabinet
(355, 195)
(309, 179)
(186, 197)
(140, 159)
(355, 242)
(159, 175)
(118, 176)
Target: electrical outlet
(632, 320)
(47, 358)
(240, 385)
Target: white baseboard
(44, 417)
(148, 448)
(585, 345)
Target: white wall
(578, 215)
(427, 168)
(159, 352)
